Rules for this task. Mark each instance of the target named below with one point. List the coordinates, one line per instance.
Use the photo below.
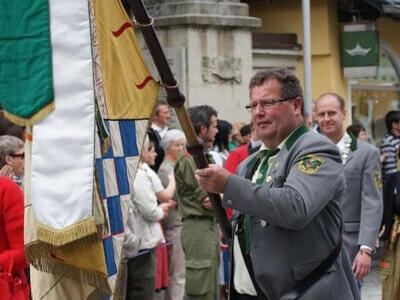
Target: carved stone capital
(222, 69)
(202, 13)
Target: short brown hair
(290, 85)
(159, 104)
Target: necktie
(264, 155)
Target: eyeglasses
(266, 104)
(21, 155)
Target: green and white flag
(26, 83)
(62, 171)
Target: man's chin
(327, 130)
(266, 137)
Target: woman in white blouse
(147, 214)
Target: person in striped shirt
(390, 143)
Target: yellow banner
(130, 91)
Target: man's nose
(326, 117)
(259, 110)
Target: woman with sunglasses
(12, 158)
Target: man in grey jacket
(287, 220)
(362, 200)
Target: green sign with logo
(360, 49)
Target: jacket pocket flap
(198, 264)
(300, 271)
(351, 227)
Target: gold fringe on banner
(120, 286)
(40, 258)
(121, 282)
(33, 119)
(93, 279)
(95, 237)
(98, 295)
(83, 230)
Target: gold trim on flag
(33, 119)
(71, 234)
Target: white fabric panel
(110, 174)
(116, 141)
(141, 132)
(63, 142)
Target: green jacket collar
(290, 139)
(353, 143)
(294, 136)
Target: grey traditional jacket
(362, 204)
(296, 219)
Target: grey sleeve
(371, 200)
(293, 205)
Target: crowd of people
(304, 199)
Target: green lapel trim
(295, 135)
(353, 144)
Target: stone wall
(209, 47)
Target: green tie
(264, 155)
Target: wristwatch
(365, 251)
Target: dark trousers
(141, 276)
(238, 296)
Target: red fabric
(161, 267)
(13, 283)
(236, 157)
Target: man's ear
(298, 103)
(203, 130)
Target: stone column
(209, 47)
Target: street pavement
(372, 289)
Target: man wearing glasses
(287, 225)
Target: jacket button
(263, 223)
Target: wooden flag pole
(177, 100)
